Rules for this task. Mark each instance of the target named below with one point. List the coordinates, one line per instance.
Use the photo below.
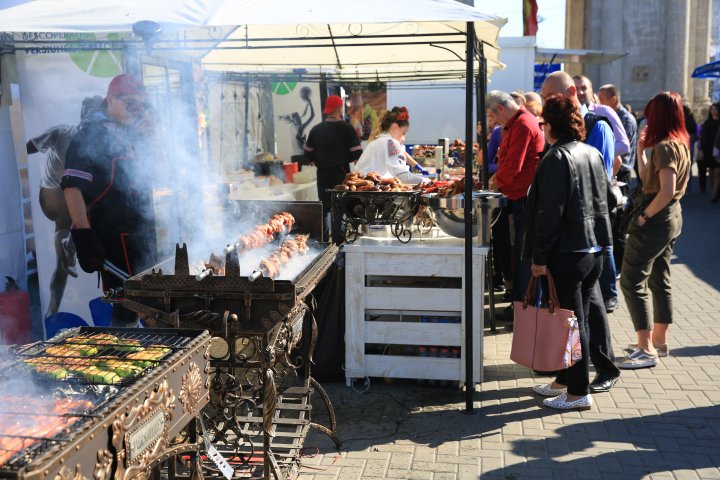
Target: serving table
(405, 314)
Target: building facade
(665, 41)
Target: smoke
(190, 188)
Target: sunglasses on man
(133, 105)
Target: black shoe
(611, 304)
(506, 315)
(603, 383)
(507, 297)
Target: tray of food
(367, 200)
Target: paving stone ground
(660, 423)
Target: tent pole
(481, 92)
(246, 130)
(469, 128)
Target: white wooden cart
(405, 309)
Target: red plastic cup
(290, 170)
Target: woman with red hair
(653, 232)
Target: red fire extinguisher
(15, 323)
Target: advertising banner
(297, 109)
(56, 87)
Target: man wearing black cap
(332, 145)
(109, 203)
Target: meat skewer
(271, 266)
(260, 235)
(263, 234)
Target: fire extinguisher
(15, 323)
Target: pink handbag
(547, 338)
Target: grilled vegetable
(72, 350)
(47, 368)
(94, 374)
(95, 339)
(147, 358)
(120, 367)
(128, 345)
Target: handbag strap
(553, 301)
(552, 297)
(530, 292)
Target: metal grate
(30, 425)
(50, 390)
(111, 357)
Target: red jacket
(519, 154)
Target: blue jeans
(608, 278)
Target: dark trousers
(575, 276)
(502, 249)
(327, 179)
(601, 352)
(647, 266)
(521, 268)
(619, 237)
(608, 277)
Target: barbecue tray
(351, 210)
(264, 332)
(125, 428)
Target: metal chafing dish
(264, 334)
(102, 403)
(449, 212)
(353, 211)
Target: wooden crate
(426, 259)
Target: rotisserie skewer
(280, 223)
(270, 266)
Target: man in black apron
(108, 197)
(331, 146)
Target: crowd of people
(593, 195)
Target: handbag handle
(531, 292)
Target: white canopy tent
(362, 40)
(347, 39)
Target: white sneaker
(560, 403)
(662, 350)
(639, 359)
(548, 391)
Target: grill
(264, 332)
(101, 403)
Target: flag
(530, 18)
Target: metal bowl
(449, 212)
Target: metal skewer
(113, 270)
(204, 274)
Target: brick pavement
(659, 423)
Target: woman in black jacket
(568, 227)
(707, 137)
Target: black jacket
(567, 205)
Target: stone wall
(665, 41)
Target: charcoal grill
(82, 424)
(264, 333)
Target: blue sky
(551, 15)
